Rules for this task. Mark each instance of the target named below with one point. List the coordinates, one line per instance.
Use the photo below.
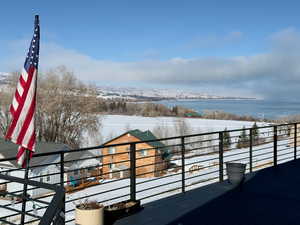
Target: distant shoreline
(199, 99)
(155, 100)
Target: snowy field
(115, 125)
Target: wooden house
(150, 156)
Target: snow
(125, 92)
(115, 125)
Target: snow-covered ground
(115, 125)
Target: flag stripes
(22, 109)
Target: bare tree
(4, 113)
(182, 127)
(65, 108)
(6, 93)
(162, 130)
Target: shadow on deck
(268, 197)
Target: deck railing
(51, 209)
(137, 172)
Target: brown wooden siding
(145, 164)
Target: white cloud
(260, 74)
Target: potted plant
(235, 172)
(89, 213)
(121, 209)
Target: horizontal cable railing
(141, 170)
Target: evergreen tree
(243, 141)
(255, 134)
(175, 110)
(226, 139)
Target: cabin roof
(145, 136)
(9, 150)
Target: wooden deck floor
(268, 197)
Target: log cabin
(151, 157)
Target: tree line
(243, 139)
(121, 106)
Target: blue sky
(222, 47)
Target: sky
(230, 48)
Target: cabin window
(111, 166)
(90, 169)
(111, 150)
(41, 179)
(48, 177)
(143, 152)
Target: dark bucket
(111, 216)
(235, 172)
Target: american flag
(22, 109)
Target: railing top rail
(147, 141)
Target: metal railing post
(295, 141)
(221, 158)
(133, 172)
(62, 183)
(24, 195)
(250, 150)
(183, 164)
(275, 146)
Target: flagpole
(24, 195)
(19, 132)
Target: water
(258, 108)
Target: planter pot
(235, 173)
(120, 210)
(89, 216)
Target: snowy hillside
(153, 94)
